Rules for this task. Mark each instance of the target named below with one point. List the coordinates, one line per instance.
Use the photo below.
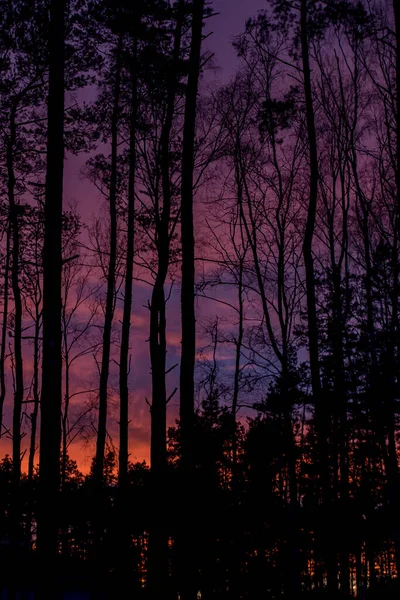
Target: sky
(229, 22)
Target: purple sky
(225, 26)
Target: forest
(228, 307)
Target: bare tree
(78, 296)
(15, 282)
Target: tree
(22, 95)
(392, 463)
(78, 295)
(4, 325)
(111, 272)
(130, 249)
(158, 172)
(51, 394)
(32, 272)
(320, 409)
(15, 276)
(188, 351)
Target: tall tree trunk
(17, 346)
(234, 558)
(126, 320)
(393, 474)
(17, 349)
(4, 326)
(17, 333)
(111, 276)
(123, 489)
(374, 408)
(236, 379)
(293, 541)
(321, 417)
(341, 401)
(187, 227)
(158, 542)
(36, 396)
(158, 539)
(50, 424)
(65, 415)
(293, 532)
(34, 418)
(396, 232)
(188, 351)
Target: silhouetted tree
(187, 579)
(111, 271)
(51, 392)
